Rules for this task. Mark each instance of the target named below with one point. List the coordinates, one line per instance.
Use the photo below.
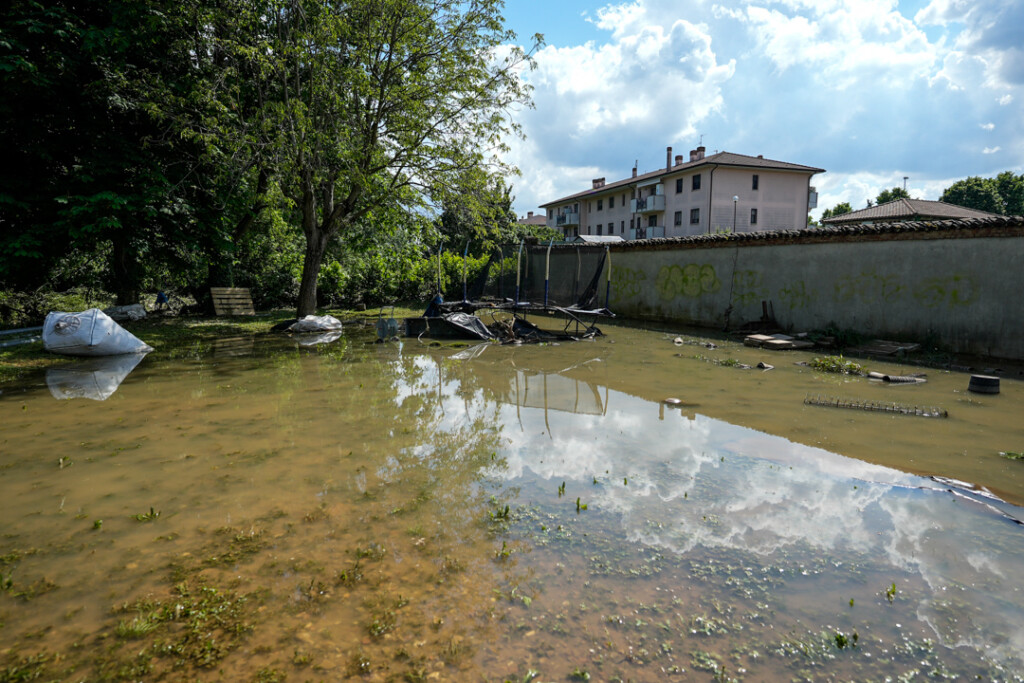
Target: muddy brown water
(259, 511)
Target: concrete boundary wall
(955, 283)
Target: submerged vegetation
(837, 365)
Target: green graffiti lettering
(692, 281)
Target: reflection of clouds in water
(964, 553)
(703, 482)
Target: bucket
(983, 384)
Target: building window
(599, 227)
(622, 227)
(694, 216)
(695, 182)
(753, 215)
(611, 202)
(679, 185)
(623, 198)
(679, 217)
(652, 222)
(630, 223)
(753, 183)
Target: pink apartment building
(723, 192)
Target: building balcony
(567, 218)
(647, 233)
(647, 204)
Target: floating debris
(898, 379)
(834, 402)
(673, 401)
(764, 366)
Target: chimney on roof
(598, 182)
(668, 158)
(700, 153)
(529, 214)
(679, 159)
(693, 155)
(634, 171)
(760, 156)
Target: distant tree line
(310, 150)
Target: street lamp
(735, 199)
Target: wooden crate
(232, 301)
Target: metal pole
(465, 254)
(547, 273)
(519, 260)
(501, 273)
(440, 245)
(576, 282)
(608, 284)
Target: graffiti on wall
(796, 296)
(867, 288)
(748, 287)
(691, 280)
(951, 291)
(628, 282)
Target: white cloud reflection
(694, 481)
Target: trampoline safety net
(570, 276)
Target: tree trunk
(125, 271)
(316, 245)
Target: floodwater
(260, 511)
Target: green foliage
(1011, 189)
(175, 146)
(836, 364)
(837, 210)
(892, 195)
(975, 193)
(29, 309)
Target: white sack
(89, 333)
(316, 323)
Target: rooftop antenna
(701, 142)
(905, 182)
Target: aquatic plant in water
(837, 365)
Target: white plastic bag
(89, 333)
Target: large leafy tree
(375, 97)
(1011, 190)
(114, 117)
(974, 193)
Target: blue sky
(870, 90)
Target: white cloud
(844, 42)
(990, 29)
(852, 86)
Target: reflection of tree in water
(416, 571)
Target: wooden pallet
(232, 301)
